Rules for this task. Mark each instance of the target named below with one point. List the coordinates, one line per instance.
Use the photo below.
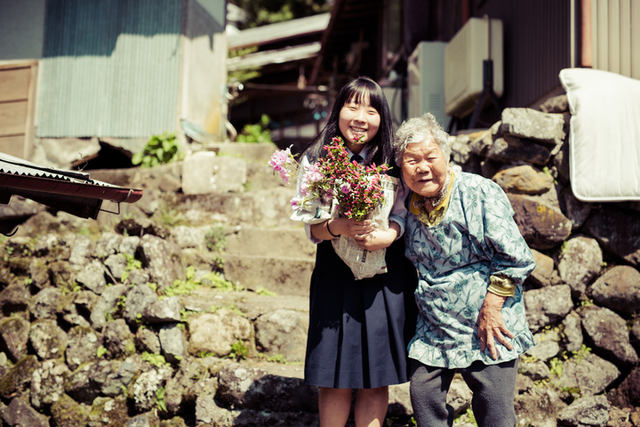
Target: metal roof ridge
(275, 56)
(278, 31)
(16, 161)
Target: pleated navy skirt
(359, 329)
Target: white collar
(363, 153)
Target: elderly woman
(471, 261)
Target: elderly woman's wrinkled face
(424, 167)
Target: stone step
(264, 208)
(279, 323)
(236, 165)
(275, 242)
(252, 304)
(256, 156)
(261, 175)
(251, 152)
(258, 172)
(283, 276)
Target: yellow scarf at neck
(434, 216)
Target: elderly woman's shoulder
(478, 182)
(470, 177)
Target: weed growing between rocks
(193, 282)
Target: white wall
(204, 72)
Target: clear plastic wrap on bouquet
(363, 263)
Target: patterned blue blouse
(477, 238)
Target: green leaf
(137, 158)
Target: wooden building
(76, 70)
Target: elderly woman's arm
(511, 263)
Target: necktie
(356, 157)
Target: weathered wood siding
(16, 107)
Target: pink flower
(304, 188)
(313, 174)
(354, 186)
(280, 158)
(284, 175)
(283, 162)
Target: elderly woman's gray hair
(419, 129)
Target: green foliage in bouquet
(357, 188)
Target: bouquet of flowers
(357, 188)
(350, 190)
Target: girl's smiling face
(358, 120)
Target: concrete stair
(267, 207)
(280, 241)
(276, 259)
(266, 249)
(287, 276)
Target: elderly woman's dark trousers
(493, 389)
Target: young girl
(358, 329)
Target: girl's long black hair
(380, 149)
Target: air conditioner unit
(479, 39)
(425, 72)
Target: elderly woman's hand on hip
(490, 325)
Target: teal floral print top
(455, 259)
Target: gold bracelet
(331, 232)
